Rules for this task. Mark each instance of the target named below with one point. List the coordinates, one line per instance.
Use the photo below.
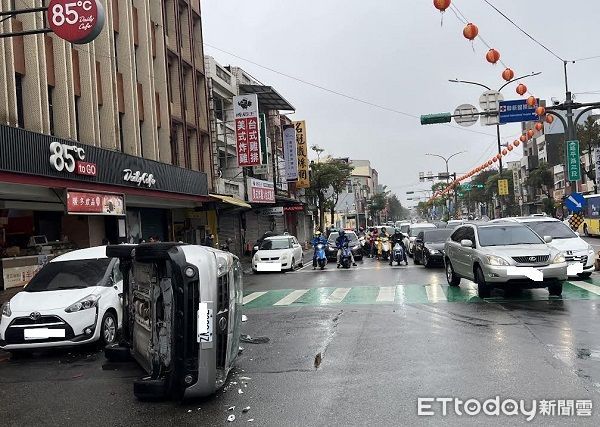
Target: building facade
(123, 119)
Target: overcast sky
(395, 54)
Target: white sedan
(277, 253)
(74, 299)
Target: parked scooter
(319, 257)
(383, 248)
(398, 255)
(346, 257)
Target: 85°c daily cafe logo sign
(78, 21)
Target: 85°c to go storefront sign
(78, 22)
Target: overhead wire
(524, 32)
(335, 92)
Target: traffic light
(480, 186)
(432, 119)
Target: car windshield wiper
(62, 288)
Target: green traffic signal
(432, 119)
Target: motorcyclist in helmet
(398, 237)
(373, 242)
(341, 242)
(317, 238)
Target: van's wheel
(108, 329)
(293, 264)
(453, 279)
(483, 289)
(555, 289)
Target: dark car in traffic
(429, 246)
(355, 247)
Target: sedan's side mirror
(548, 239)
(466, 243)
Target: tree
(543, 177)
(327, 180)
(491, 189)
(377, 204)
(588, 135)
(395, 209)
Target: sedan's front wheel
(108, 331)
(483, 289)
(453, 279)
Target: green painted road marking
(408, 294)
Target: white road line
(337, 296)
(252, 297)
(590, 288)
(386, 294)
(290, 298)
(435, 293)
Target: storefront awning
(231, 200)
(267, 97)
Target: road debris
(250, 420)
(244, 318)
(318, 359)
(231, 418)
(240, 391)
(245, 378)
(256, 340)
(231, 408)
(246, 409)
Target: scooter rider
(373, 241)
(340, 242)
(317, 238)
(398, 237)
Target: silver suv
(503, 255)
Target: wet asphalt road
(386, 336)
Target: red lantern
(531, 101)
(492, 56)
(489, 163)
(495, 159)
(540, 111)
(470, 31)
(549, 118)
(441, 5)
(510, 147)
(508, 74)
(523, 138)
(521, 89)
(499, 156)
(530, 133)
(504, 152)
(516, 143)
(539, 126)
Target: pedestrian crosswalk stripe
(588, 287)
(287, 300)
(408, 294)
(435, 293)
(253, 296)
(337, 296)
(386, 294)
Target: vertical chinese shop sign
(303, 178)
(245, 110)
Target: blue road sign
(575, 202)
(516, 110)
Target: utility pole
(446, 160)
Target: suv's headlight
(6, 309)
(432, 251)
(496, 260)
(559, 258)
(90, 301)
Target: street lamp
(447, 159)
(318, 150)
(501, 87)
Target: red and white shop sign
(78, 22)
(260, 191)
(80, 202)
(245, 110)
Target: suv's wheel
(453, 279)
(483, 289)
(426, 262)
(108, 329)
(585, 275)
(555, 289)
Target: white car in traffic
(74, 299)
(580, 255)
(277, 253)
(413, 232)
